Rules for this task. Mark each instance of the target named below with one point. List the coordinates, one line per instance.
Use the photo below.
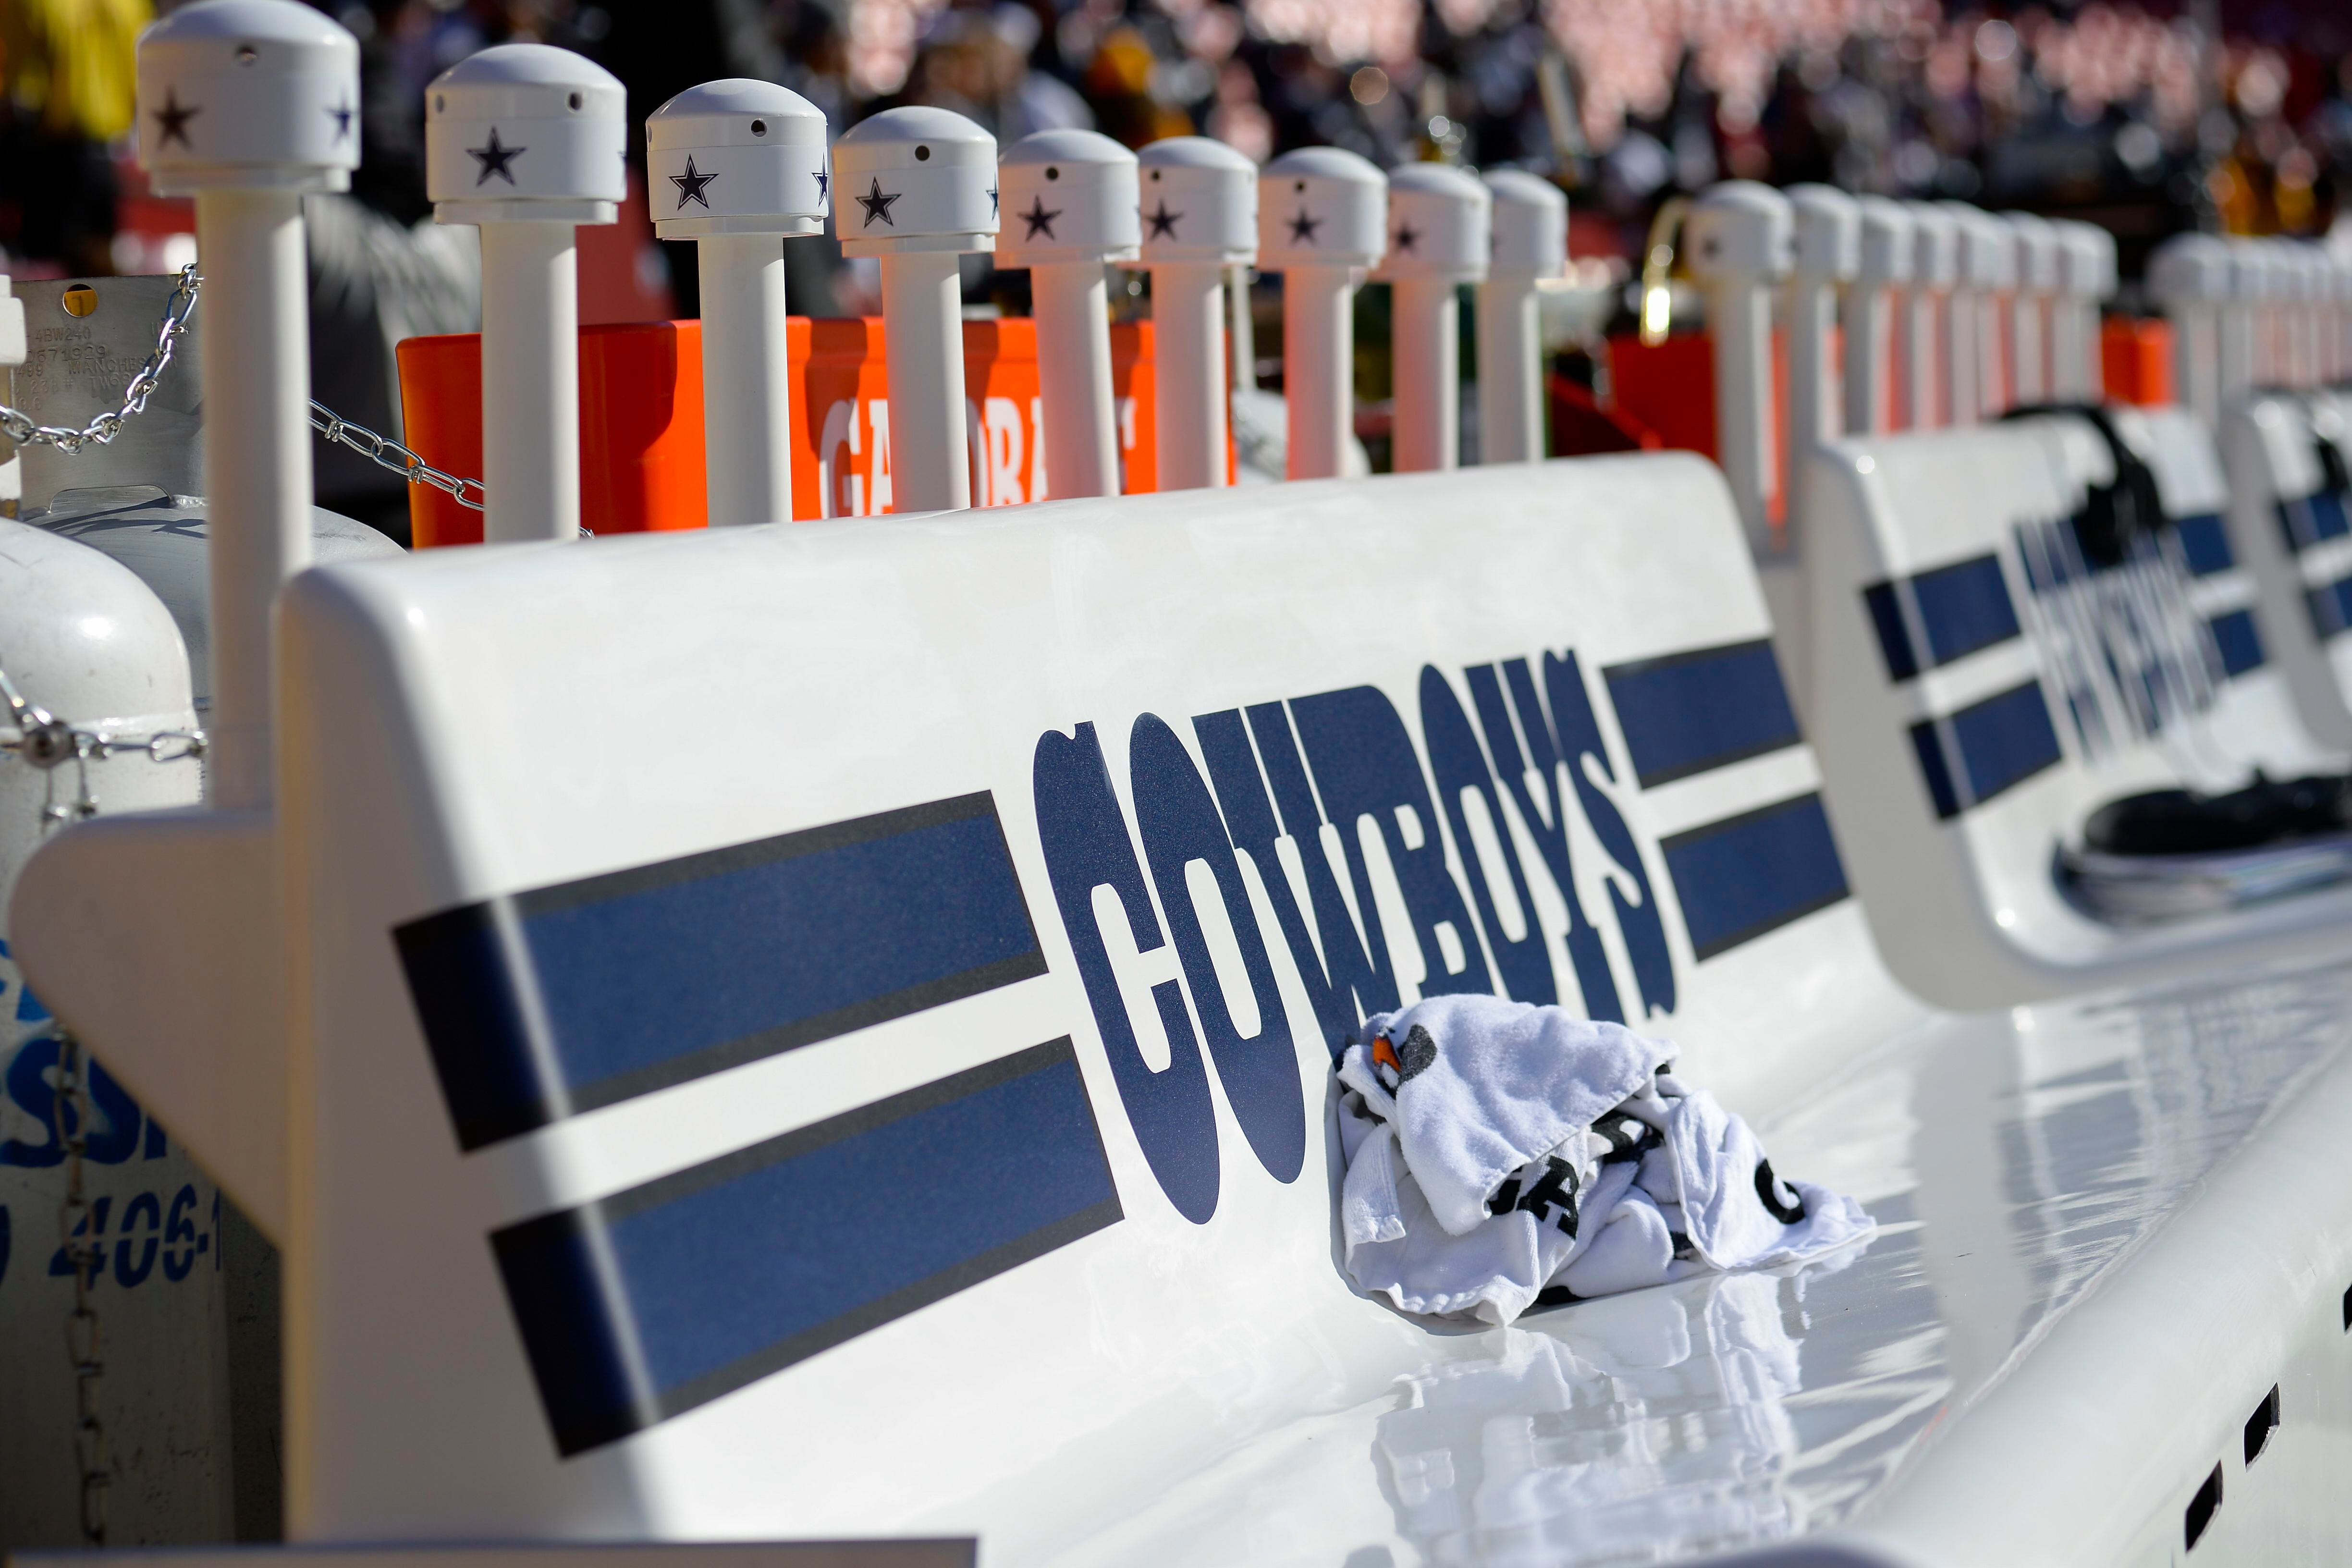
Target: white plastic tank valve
(918, 188)
(528, 141)
(1828, 258)
(2188, 275)
(1530, 246)
(1198, 218)
(738, 166)
(2038, 277)
(1440, 232)
(1934, 270)
(2087, 270)
(1868, 314)
(1741, 239)
(1322, 223)
(246, 105)
(1071, 203)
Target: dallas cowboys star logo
(1163, 222)
(1302, 229)
(877, 204)
(1039, 219)
(494, 159)
(689, 186)
(342, 115)
(993, 213)
(1407, 238)
(173, 118)
(823, 187)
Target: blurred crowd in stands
(2229, 117)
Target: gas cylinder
(87, 643)
(138, 498)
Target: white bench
(1980, 690)
(824, 1031)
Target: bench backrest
(811, 1026)
(1981, 684)
(2291, 522)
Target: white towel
(1481, 1086)
(1604, 1196)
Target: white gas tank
(93, 648)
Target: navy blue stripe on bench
(642, 1306)
(2306, 519)
(2240, 643)
(1686, 712)
(2205, 544)
(542, 1005)
(1963, 607)
(2002, 741)
(2330, 604)
(1748, 875)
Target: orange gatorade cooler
(641, 421)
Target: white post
(1530, 244)
(2236, 329)
(1828, 257)
(1995, 256)
(916, 187)
(2088, 276)
(1958, 346)
(2029, 311)
(922, 351)
(1440, 228)
(1740, 237)
(1070, 200)
(2311, 289)
(1934, 268)
(215, 82)
(1199, 217)
(1242, 325)
(2189, 275)
(527, 141)
(1868, 314)
(736, 166)
(1321, 223)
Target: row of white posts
(1951, 315)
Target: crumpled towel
(1570, 1161)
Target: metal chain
(48, 743)
(85, 1335)
(23, 429)
(387, 453)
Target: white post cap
(737, 156)
(1740, 231)
(249, 94)
(1935, 245)
(1988, 252)
(1320, 206)
(915, 179)
(1068, 195)
(1530, 222)
(2087, 265)
(2038, 270)
(1829, 234)
(2249, 270)
(1200, 203)
(525, 131)
(2190, 269)
(1440, 225)
(1886, 242)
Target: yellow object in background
(70, 65)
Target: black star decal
(1302, 229)
(878, 205)
(823, 187)
(1163, 222)
(689, 186)
(1407, 238)
(1038, 218)
(173, 118)
(342, 115)
(993, 212)
(495, 158)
